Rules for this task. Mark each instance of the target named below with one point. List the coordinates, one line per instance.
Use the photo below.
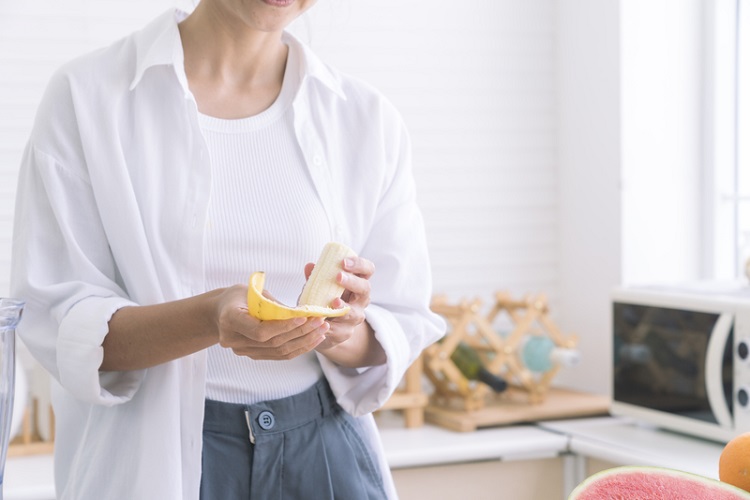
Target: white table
(431, 445)
(622, 441)
(614, 440)
(29, 478)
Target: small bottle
(539, 354)
(468, 362)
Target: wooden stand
(466, 325)
(411, 399)
(30, 441)
(512, 407)
(530, 316)
(462, 404)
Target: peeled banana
(321, 289)
(318, 293)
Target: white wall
(36, 37)
(590, 240)
(630, 160)
(526, 116)
(476, 86)
(661, 61)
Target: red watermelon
(654, 483)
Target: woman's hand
(351, 341)
(256, 339)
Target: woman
(162, 171)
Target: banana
(319, 291)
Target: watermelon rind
(718, 486)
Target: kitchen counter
(555, 450)
(29, 478)
(623, 441)
(432, 445)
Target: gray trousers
(300, 447)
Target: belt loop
(323, 396)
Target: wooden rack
(30, 440)
(500, 354)
(410, 398)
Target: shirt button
(317, 160)
(266, 420)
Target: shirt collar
(159, 44)
(313, 67)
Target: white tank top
(264, 215)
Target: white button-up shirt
(112, 204)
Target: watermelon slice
(654, 483)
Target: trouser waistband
(273, 416)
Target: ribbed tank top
(264, 215)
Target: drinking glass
(10, 315)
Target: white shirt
(113, 197)
(263, 205)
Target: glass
(659, 357)
(10, 315)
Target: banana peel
(265, 309)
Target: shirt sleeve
(63, 268)
(399, 311)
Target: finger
(244, 324)
(359, 266)
(308, 270)
(287, 350)
(355, 315)
(355, 284)
(311, 326)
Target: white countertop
(616, 440)
(624, 442)
(431, 445)
(29, 478)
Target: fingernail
(300, 321)
(348, 263)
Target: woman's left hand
(352, 327)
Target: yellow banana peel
(316, 297)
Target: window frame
(720, 145)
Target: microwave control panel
(742, 368)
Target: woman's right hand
(256, 339)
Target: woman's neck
(233, 70)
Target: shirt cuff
(363, 390)
(80, 354)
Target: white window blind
(476, 85)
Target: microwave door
(714, 371)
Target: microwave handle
(713, 372)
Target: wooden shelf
(512, 407)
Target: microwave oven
(681, 357)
